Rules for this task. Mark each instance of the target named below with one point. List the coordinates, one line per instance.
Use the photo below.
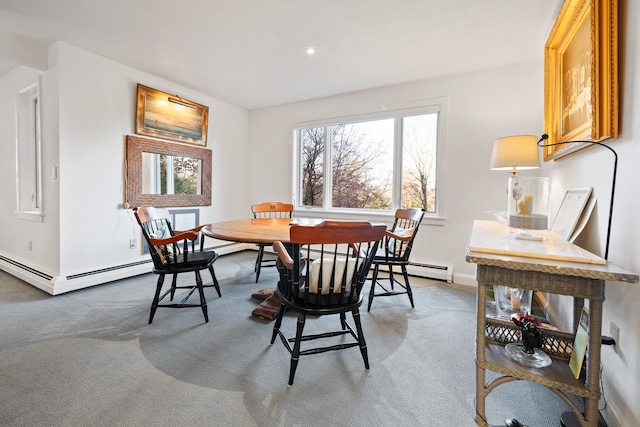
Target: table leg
(481, 393)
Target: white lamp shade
(517, 152)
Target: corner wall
(88, 109)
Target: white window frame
(436, 105)
(29, 154)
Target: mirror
(166, 174)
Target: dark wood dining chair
(268, 210)
(325, 277)
(174, 252)
(395, 252)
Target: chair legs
(361, 342)
(203, 301)
(259, 261)
(406, 287)
(172, 290)
(276, 326)
(295, 354)
(296, 350)
(156, 298)
(215, 280)
(262, 262)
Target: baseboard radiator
(431, 271)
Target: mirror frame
(134, 197)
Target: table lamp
(515, 153)
(528, 197)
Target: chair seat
(381, 257)
(195, 261)
(321, 304)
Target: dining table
(258, 230)
(253, 230)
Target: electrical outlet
(30, 245)
(132, 243)
(614, 332)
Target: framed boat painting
(167, 116)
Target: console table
(554, 266)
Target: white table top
(492, 243)
(495, 238)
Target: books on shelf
(580, 343)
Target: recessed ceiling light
(310, 51)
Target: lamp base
(528, 221)
(526, 235)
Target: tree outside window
(363, 167)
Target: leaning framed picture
(167, 116)
(581, 76)
(570, 214)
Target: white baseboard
(59, 284)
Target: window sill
(30, 216)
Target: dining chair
(268, 210)
(174, 252)
(324, 277)
(395, 252)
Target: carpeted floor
(89, 358)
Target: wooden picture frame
(581, 76)
(135, 196)
(167, 116)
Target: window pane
(312, 164)
(28, 150)
(419, 142)
(362, 165)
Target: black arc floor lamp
(569, 419)
(541, 143)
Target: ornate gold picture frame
(581, 76)
(167, 116)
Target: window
(28, 179)
(373, 163)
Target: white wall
(620, 367)
(481, 107)
(88, 109)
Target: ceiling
(252, 53)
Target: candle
(515, 299)
(526, 205)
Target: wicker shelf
(581, 280)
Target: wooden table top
(255, 230)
